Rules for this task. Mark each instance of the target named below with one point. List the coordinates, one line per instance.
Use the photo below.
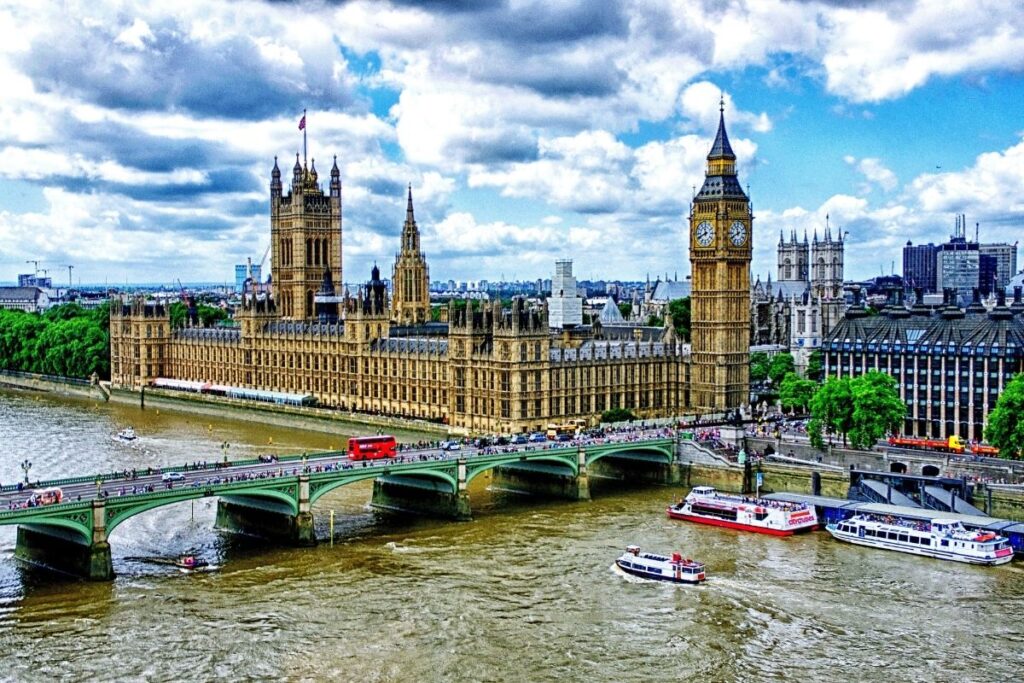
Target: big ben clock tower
(720, 252)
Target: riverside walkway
(273, 497)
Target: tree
(816, 366)
(617, 415)
(862, 410)
(655, 321)
(779, 366)
(877, 409)
(831, 410)
(66, 340)
(1005, 428)
(795, 392)
(679, 309)
(758, 366)
(625, 308)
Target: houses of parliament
(487, 369)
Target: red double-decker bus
(371, 447)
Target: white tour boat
(127, 434)
(674, 569)
(944, 539)
(707, 506)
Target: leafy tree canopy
(1005, 428)
(68, 340)
(625, 308)
(617, 415)
(758, 366)
(796, 393)
(780, 365)
(816, 366)
(862, 409)
(679, 309)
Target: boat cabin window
(945, 543)
(902, 538)
(893, 535)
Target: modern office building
(950, 364)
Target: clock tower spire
(720, 251)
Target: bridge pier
(66, 551)
(429, 498)
(639, 471)
(263, 518)
(546, 479)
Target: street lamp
(26, 465)
(224, 449)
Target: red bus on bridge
(371, 447)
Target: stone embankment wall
(318, 419)
(51, 385)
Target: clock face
(738, 233)
(705, 234)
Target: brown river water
(524, 592)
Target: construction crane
(250, 281)
(35, 265)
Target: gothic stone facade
(490, 369)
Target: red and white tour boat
(707, 506)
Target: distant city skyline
(139, 140)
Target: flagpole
(304, 139)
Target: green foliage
(211, 315)
(779, 366)
(655, 321)
(831, 409)
(1005, 428)
(66, 340)
(816, 366)
(796, 393)
(679, 309)
(617, 415)
(625, 308)
(759, 366)
(179, 313)
(863, 409)
(877, 409)
(208, 315)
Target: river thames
(524, 592)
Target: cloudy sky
(138, 138)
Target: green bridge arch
(322, 483)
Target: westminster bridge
(273, 498)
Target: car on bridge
(451, 446)
(519, 439)
(538, 437)
(172, 476)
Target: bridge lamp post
(224, 449)
(26, 465)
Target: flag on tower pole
(302, 127)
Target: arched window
(787, 269)
(309, 303)
(309, 252)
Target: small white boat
(705, 505)
(127, 434)
(943, 539)
(674, 569)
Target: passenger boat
(707, 506)
(127, 434)
(190, 562)
(674, 569)
(944, 539)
